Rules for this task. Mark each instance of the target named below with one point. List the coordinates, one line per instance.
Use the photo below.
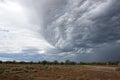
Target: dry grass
(58, 72)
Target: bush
(2, 69)
(17, 69)
(22, 68)
(118, 69)
(46, 66)
(28, 68)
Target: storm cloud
(80, 30)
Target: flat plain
(58, 72)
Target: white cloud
(5, 59)
(17, 32)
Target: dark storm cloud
(84, 23)
(108, 24)
(81, 30)
(83, 26)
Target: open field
(58, 72)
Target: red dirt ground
(60, 72)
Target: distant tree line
(67, 62)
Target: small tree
(62, 63)
(55, 62)
(1, 62)
(44, 62)
(31, 62)
(14, 62)
(67, 61)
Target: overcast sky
(79, 30)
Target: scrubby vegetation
(2, 69)
(55, 70)
(67, 62)
(37, 71)
(118, 69)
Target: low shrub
(29, 68)
(22, 68)
(46, 67)
(17, 69)
(2, 69)
(118, 69)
